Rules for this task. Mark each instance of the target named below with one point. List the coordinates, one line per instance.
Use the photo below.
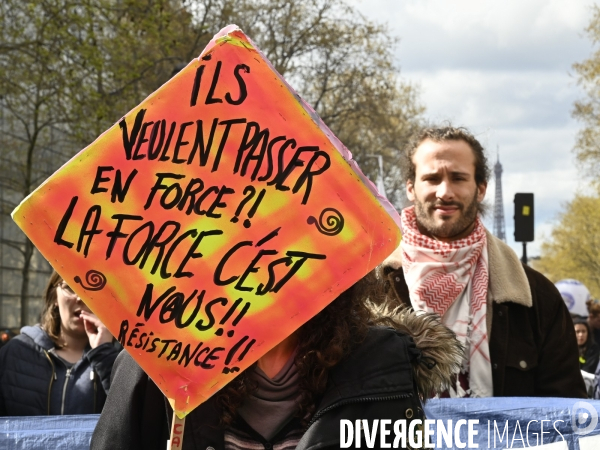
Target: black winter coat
(589, 361)
(375, 382)
(34, 382)
(533, 350)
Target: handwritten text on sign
(210, 222)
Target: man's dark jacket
(375, 382)
(533, 347)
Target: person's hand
(97, 333)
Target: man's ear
(481, 190)
(410, 190)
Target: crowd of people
(451, 313)
(585, 312)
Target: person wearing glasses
(60, 366)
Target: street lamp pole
(379, 181)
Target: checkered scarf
(451, 279)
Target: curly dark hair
(323, 342)
(440, 134)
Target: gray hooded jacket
(34, 381)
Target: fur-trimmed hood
(441, 352)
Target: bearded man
(516, 329)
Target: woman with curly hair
(61, 366)
(350, 361)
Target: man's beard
(425, 211)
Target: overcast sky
(503, 70)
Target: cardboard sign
(210, 222)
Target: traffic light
(523, 217)
(5, 336)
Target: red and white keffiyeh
(451, 279)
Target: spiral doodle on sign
(94, 281)
(329, 225)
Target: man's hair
(440, 134)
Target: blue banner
(516, 422)
(47, 432)
(487, 423)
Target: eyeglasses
(65, 287)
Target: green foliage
(342, 64)
(80, 65)
(587, 110)
(69, 69)
(573, 250)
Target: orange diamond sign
(211, 221)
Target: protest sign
(210, 222)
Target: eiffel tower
(498, 205)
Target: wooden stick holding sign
(176, 440)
